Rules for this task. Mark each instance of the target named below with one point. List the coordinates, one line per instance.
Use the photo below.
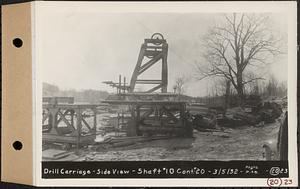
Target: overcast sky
(79, 49)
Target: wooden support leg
(137, 68)
(72, 118)
(95, 121)
(53, 120)
(137, 121)
(131, 129)
(79, 126)
(164, 74)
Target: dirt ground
(243, 143)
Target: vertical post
(120, 84)
(122, 118)
(164, 74)
(72, 117)
(124, 85)
(283, 139)
(156, 112)
(131, 124)
(95, 121)
(137, 121)
(53, 120)
(118, 123)
(161, 112)
(79, 126)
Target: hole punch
(17, 145)
(18, 42)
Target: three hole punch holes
(17, 42)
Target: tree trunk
(227, 94)
(240, 88)
(240, 92)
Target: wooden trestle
(156, 117)
(68, 123)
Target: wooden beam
(148, 64)
(65, 120)
(65, 113)
(73, 106)
(95, 121)
(155, 41)
(145, 102)
(154, 88)
(56, 100)
(151, 53)
(150, 81)
(164, 69)
(137, 67)
(170, 115)
(86, 124)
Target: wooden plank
(73, 106)
(161, 129)
(68, 139)
(144, 81)
(145, 102)
(56, 100)
(155, 41)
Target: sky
(80, 48)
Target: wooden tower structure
(153, 51)
(153, 111)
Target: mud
(244, 143)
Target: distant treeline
(88, 96)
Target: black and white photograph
(149, 93)
(165, 86)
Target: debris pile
(235, 117)
(266, 112)
(270, 111)
(255, 113)
(204, 122)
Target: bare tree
(234, 48)
(272, 86)
(179, 85)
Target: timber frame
(154, 111)
(67, 123)
(156, 117)
(155, 50)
